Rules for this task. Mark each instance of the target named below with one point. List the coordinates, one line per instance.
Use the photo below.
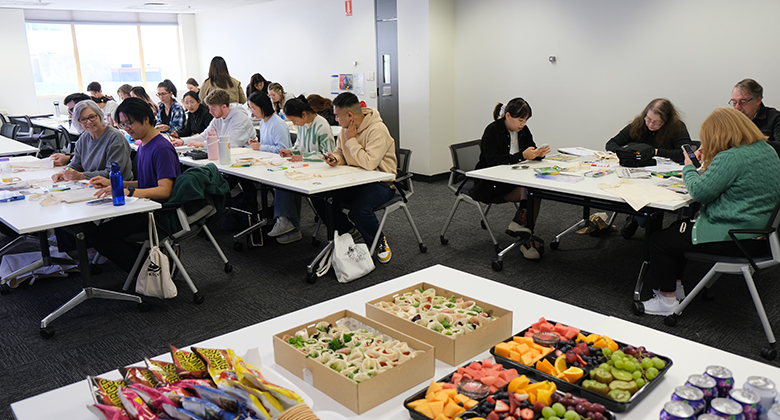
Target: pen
(14, 198)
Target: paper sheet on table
(638, 195)
(578, 151)
(75, 196)
(235, 151)
(302, 174)
(666, 167)
(36, 165)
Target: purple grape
(597, 416)
(556, 397)
(598, 408)
(580, 409)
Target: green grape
(658, 363)
(637, 374)
(619, 353)
(548, 412)
(640, 382)
(606, 352)
(560, 410)
(611, 362)
(619, 364)
(604, 366)
(572, 415)
(647, 363)
(651, 373)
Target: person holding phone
(731, 186)
(508, 140)
(659, 125)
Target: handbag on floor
(154, 278)
(350, 261)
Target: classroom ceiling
(135, 6)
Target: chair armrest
(399, 186)
(762, 232)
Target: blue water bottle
(117, 187)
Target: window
(65, 58)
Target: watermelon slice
(489, 380)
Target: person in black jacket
(508, 140)
(198, 116)
(658, 125)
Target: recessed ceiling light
(155, 4)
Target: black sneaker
(630, 228)
(518, 226)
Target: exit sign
(348, 7)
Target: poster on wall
(347, 82)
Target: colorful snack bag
(105, 391)
(136, 407)
(218, 364)
(220, 398)
(248, 401)
(207, 410)
(179, 413)
(153, 397)
(268, 401)
(138, 375)
(108, 412)
(189, 365)
(249, 374)
(164, 372)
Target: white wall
(614, 56)
(17, 88)
(188, 44)
(296, 43)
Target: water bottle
(117, 187)
(56, 109)
(5, 169)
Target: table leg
(45, 261)
(653, 220)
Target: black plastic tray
(468, 414)
(576, 388)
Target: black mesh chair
(9, 130)
(744, 266)
(27, 132)
(464, 158)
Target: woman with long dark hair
(170, 113)
(219, 78)
(257, 83)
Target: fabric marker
(14, 198)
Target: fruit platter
(465, 394)
(594, 366)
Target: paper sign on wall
(348, 7)
(349, 82)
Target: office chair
(197, 198)
(9, 130)
(464, 158)
(745, 266)
(27, 132)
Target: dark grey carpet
(594, 273)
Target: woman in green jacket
(732, 187)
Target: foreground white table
(11, 147)
(689, 357)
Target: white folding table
(688, 357)
(585, 193)
(25, 217)
(11, 147)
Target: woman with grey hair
(98, 146)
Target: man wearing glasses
(746, 98)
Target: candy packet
(135, 406)
(108, 412)
(105, 391)
(164, 372)
(249, 401)
(179, 413)
(207, 410)
(138, 375)
(188, 364)
(249, 374)
(218, 364)
(153, 397)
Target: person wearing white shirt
(274, 133)
(228, 121)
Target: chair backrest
(404, 157)
(9, 130)
(25, 125)
(465, 157)
(3, 119)
(63, 140)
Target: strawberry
(501, 407)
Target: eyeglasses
(92, 118)
(741, 103)
(650, 122)
(160, 95)
(126, 124)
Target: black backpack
(635, 155)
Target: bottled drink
(56, 109)
(117, 187)
(5, 169)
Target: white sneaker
(282, 226)
(660, 304)
(383, 252)
(529, 251)
(289, 238)
(679, 293)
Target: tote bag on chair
(154, 277)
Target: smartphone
(543, 146)
(100, 201)
(688, 150)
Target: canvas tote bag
(350, 261)
(154, 278)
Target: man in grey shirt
(97, 147)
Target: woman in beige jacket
(219, 78)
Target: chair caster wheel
(311, 278)
(482, 223)
(707, 295)
(228, 267)
(769, 353)
(554, 245)
(423, 248)
(638, 308)
(315, 243)
(498, 266)
(443, 240)
(238, 246)
(5, 289)
(670, 320)
(47, 332)
(198, 298)
(144, 307)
